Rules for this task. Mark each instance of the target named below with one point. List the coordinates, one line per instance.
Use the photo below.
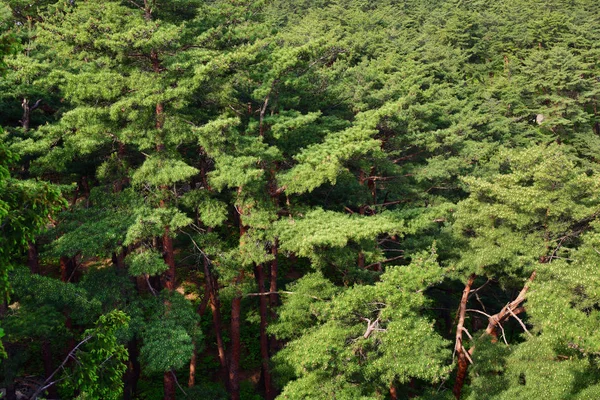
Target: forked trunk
(458, 345)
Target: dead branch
(512, 306)
(48, 382)
(519, 320)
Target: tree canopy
(299, 199)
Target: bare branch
(178, 385)
(520, 322)
(61, 366)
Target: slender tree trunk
(215, 307)
(234, 365)
(512, 308)
(33, 260)
(264, 342)
(273, 283)
(393, 392)
(48, 370)
(132, 374)
(169, 284)
(458, 345)
(169, 256)
(192, 375)
(27, 109)
(273, 297)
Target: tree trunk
(264, 342)
(33, 260)
(27, 109)
(169, 385)
(215, 306)
(234, 365)
(273, 297)
(192, 375)
(273, 284)
(458, 345)
(132, 374)
(48, 370)
(512, 308)
(169, 256)
(393, 392)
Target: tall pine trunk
(215, 307)
(234, 367)
(264, 342)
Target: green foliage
(362, 338)
(101, 360)
(148, 262)
(375, 152)
(169, 334)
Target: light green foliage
(151, 223)
(319, 228)
(101, 360)
(148, 262)
(375, 152)
(521, 212)
(157, 172)
(24, 210)
(368, 335)
(304, 307)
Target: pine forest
(296, 199)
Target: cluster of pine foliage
(327, 199)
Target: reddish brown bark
(458, 345)
(393, 392)
(234, 365)
(192, 375)
(264, 342)
(215, 306)
(361, 260)
(169, 385)
(513, 306)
